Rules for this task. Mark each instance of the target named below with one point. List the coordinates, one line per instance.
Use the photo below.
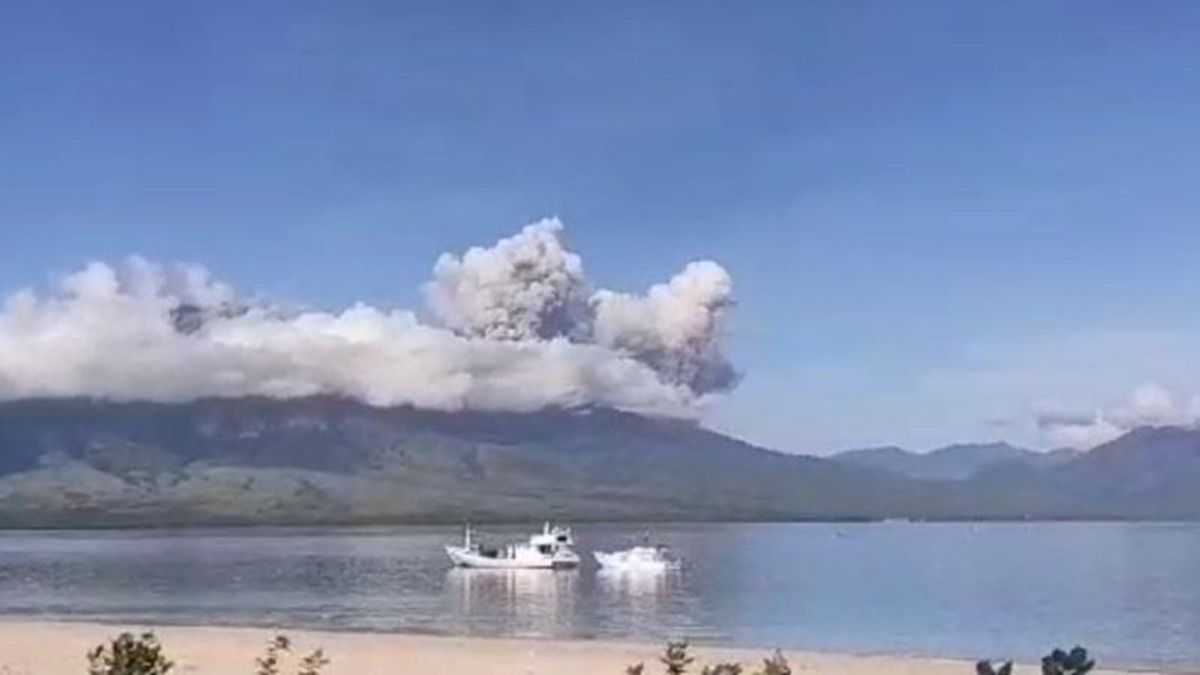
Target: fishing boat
(638, 559)
(550, 549)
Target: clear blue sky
(939, 215)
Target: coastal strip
(52, 648)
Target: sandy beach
(46, 648)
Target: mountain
(66, 462)
(953, 462)
(1150, 472)
(76, 462)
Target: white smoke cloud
(675, 327)
(526, 287)
(517, 337)
(1148, 405)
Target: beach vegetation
(675, 658)
(776, 664)
(129, 655)
(278, 648)
(1074, 662)
(676, 661)
(989, 668)
(1057, 662)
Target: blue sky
(941, 217)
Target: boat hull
(462, 557)
(622, 561)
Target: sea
(1129, 592)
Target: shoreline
(43, 646)
(200, 525)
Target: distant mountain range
(75, 462)
(953, 462)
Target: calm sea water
(1131, 592)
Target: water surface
(1131, 592)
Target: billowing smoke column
(521, 331)
(675, 328)
(526, 287)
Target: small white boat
(638, 559)
(549, 550)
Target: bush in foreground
(1057, 662)
(676, 661)
(1075, 662)
(143, 655)
(989, 668)
(129, 655)
(269, 663)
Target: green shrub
(988, 668)
(1076, 662)
(313, 663)
(129, 655)
(269, 662)
(1057, 662)
(776, 665)
(675, 660)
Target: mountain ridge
(327, 459)
(86, 462)
(958, 461)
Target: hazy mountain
(83, 462)
(953, 462)
(322, 459)
(1151, 472)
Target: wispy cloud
(1077, 389)
(1148, 405)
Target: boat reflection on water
(638, 600)
(537, 603)
(633, 584)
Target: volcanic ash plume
(521, 331)
(526, 287)
(675, 328)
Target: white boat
(551, 549)
(638, 559)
